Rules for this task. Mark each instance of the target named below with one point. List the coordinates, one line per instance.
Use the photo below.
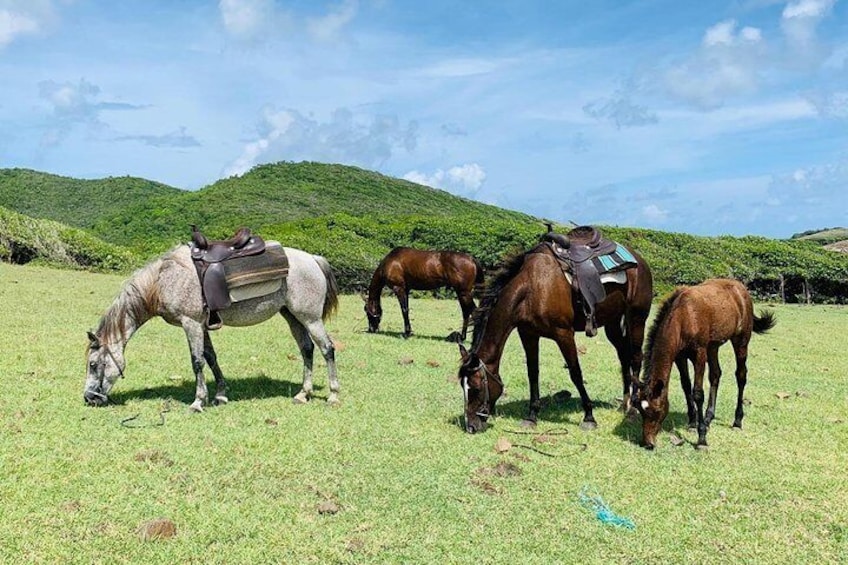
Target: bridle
(114, 360)
(484, 412)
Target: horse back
(717, 309)
(427, 270)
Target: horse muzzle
(94, 398)
(475, 424)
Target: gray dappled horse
(168, 287)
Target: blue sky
(719, 117)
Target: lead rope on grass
(549, 432)
(593, 502)
(166, 407)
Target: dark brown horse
(531, 294)
(405, 269)
(691, 325)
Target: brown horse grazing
(405, 269)
(691, 326)
(531, 294)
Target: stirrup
(213, 321)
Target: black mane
(507, 271)
(665, 308)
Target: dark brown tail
(765, 322)
(479, 278)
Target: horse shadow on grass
(257, 387)
(450, 338)
(629, 428)
(559, 409)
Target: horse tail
(764, 322)
(331, 300)
(479, 278)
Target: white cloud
(14, 24)
(799, 22)
(364, 140)
(73, 104)
(328, 27)
(830, 104)
(464, 179)
(809, 188)
(728, 64)
(246, 19)
(654, 213)
(464, 67)
(19, 18)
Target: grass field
(397, 479)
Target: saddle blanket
(617, 277)
(619, 260)
(256, 275)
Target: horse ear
(94, 342)
(463, 352)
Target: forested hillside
(354, 217)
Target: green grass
(243, 482)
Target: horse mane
(138, 300)
(665, 309)
(507, 271)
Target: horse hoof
(221, 399)
(528, 423)
(301, 398)
(333, 400)
(588, 426)
(196, 406)
(702, 447)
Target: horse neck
(664, 350)
(497, 327)
(376, 287)
(135, 305)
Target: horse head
(653, 406)
(481, 388)
(105, 365)
(374, 313)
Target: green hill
(823, 236)
(75, 202)
(354, 217)
(151, 217)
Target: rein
(115, 361)
(484, 413)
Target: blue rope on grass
(603, 512)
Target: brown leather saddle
(575, 251)
(208, 256)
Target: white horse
(169, 287)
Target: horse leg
(686, 385)
(530, 343)
(194, 333)
(700, 362)
(322, 339)
(623, 350)
(466, 303)
(568, 348)
(212, 360)
(306, 347)
(740, 348)
(403, 300)
(715, 378)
